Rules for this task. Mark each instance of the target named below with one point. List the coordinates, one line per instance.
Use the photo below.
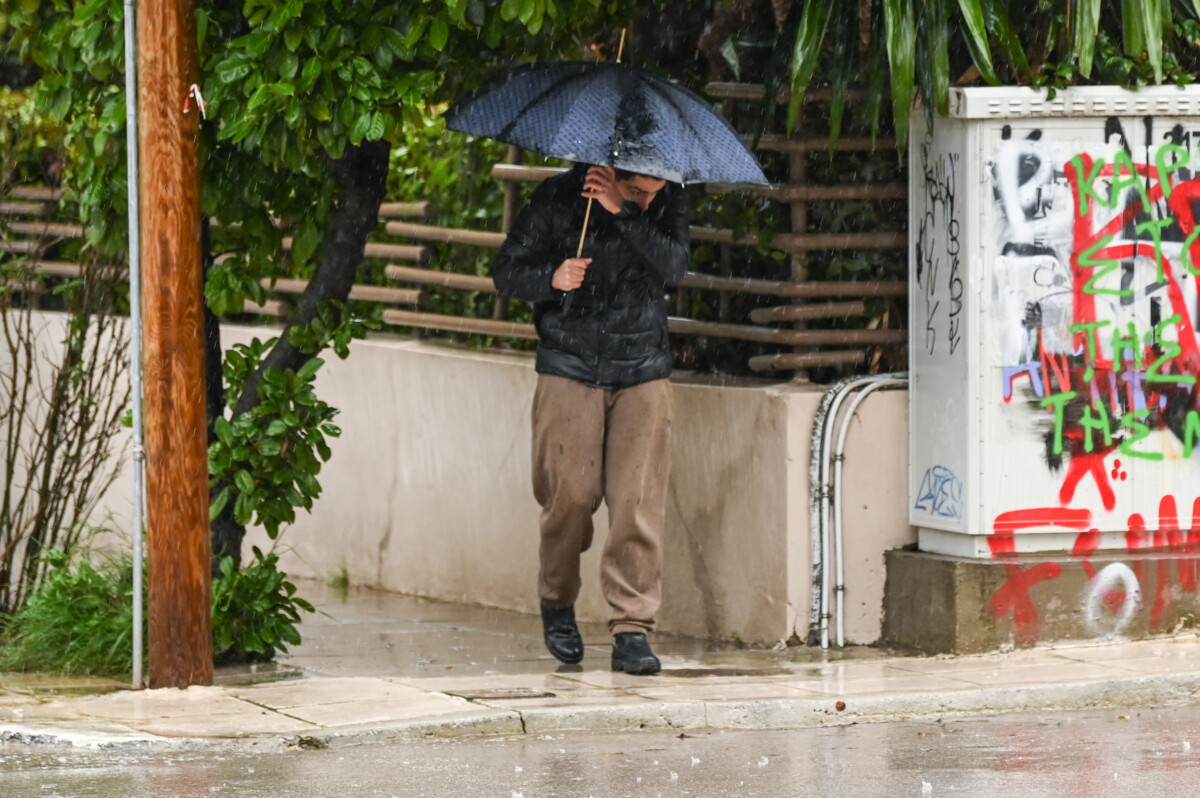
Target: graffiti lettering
(1116, 322)
(941, 215)
(1013, 596)
(940, 493)
(1117, 588)
(956, 283)
(1103, 585)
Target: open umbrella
(609, 114)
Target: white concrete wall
(428, 492)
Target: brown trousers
(591, 444)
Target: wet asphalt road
(1147, 754)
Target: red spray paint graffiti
(1014, 596)
(1097, 284)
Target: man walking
(602, 408)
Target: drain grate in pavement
(699, 673)
(499, 694)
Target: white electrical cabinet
(1054, 253)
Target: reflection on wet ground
(362, 632)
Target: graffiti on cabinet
(939, 255)
(1094, 289)
(1114, 597)
(940, 493)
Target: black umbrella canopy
(610, 115)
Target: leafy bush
(28, 141)
(80, 621)
(266, 461)
(454, 173)
(255, 611)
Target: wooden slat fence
(28, 227)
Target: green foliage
(27, 140)
(80, 621)
(266, 461)
(288, 86)
(335, 325)
(256, 611)
(900, 39)
(931, 45)
(453, 173)
(341, 579)
(80, 48)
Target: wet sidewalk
(380, 667)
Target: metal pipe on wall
(816, 489)
(820, 492)
(135, 319)
(839, 456)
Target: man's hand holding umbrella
(601, 186)
(569, 275)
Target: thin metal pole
(135, 318)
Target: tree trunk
(361, 176)
(222, 529)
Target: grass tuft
(79, 622)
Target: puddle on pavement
(365, 632)
(255, 673)
(44, 684)
(359, 632)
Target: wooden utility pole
(180, 595)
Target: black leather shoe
(631, 654)
(561, 634)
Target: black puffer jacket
(611, 332)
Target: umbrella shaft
(583, 233)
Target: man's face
(640, 189)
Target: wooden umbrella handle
(588, 214)
(583, 233)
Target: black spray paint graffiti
(1095, 293)
(940, 219)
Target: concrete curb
(757, 714)
(786, 713)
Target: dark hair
(624, 174)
